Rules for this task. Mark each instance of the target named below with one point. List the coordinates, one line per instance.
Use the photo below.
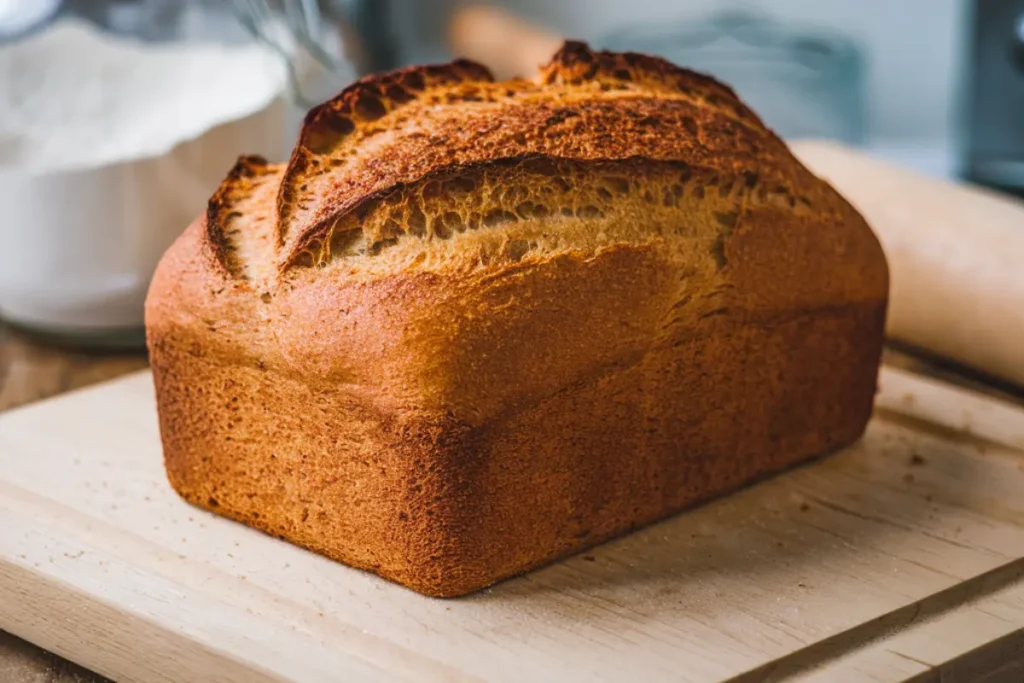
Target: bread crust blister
(474, 326)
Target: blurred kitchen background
(891, 72)
(937, 85)
(118, 118)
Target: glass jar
(118, 120)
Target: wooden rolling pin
(508, 45)
(956, 257)
(956, 253)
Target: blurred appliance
(993, 145)
(803, 82)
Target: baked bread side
(471, 326)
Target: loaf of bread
(472, 327)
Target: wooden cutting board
(896, 559)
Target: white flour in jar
(109, 147)
(74, 96)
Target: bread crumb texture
(474, 326)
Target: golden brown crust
(398, 129)
(613, 321)
(228, 204)
(575, 63)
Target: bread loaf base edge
(446, 509)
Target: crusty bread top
(440, 242)
(428, 153)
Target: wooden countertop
(30, 371)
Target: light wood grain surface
(29, 372)
(974, 575)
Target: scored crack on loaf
(473, 326)
(388, 145)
